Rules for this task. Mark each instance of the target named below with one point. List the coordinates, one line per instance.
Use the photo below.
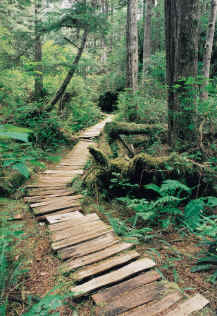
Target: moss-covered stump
(144, 169)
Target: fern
(174, 186)
(208, 231)
(193, 212)
(122, 229)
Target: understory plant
(10, 270)
(13, 275)
(207, 261)
(124, 229)
(173, 206)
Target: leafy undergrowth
(30, 281)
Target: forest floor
(173, 252)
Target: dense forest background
(153, 63)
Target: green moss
(114, 129)
(99, 157)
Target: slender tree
(148, 6)
(181, 18)
(38, 93)
(208, 49)
(132, 45)
(61, 90)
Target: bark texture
(149, 4)
(208, 49)
(38, 91)
(181, 18)
(132, 45)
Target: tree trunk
(38, 92)
(208, 50)
(181, 17)
(70, 74)
(132, 46)
(148, 6)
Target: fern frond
(152, 187)
(165, 200)
(171, 186)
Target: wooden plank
(77, 230)
(54, 219)
(155, 309)
(105, 265)
(61, 175)
(65, 211)
(70, 165)
(56, 207)
(191, 305)
(50, 186)
(48, 191)
(57, 200)
(43, 198)
(112, 277)
(62, 172)
(56, 180)
(71, 222)
(95, 257)
(142, 295)
(89, 247)
(105, 296)
(80, 238)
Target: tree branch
(68, 40)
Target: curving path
(120, 281)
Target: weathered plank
(43, 198)
(57, 200)
(65, 211)
(112, 277)
(56, 206)
(48, 191)
(80, 238)
(95, 257)
(77, 230)
(48, 186)
(155, 309)
(105, 265)
(72, 222)
(90, 246)
(191, 305)
(139, 296)
(60, 174)
(55, 180)
(105, 296)
(54, 219)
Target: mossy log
(115, 129)
(144, 169)
(99, 157)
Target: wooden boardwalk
(119, 280)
